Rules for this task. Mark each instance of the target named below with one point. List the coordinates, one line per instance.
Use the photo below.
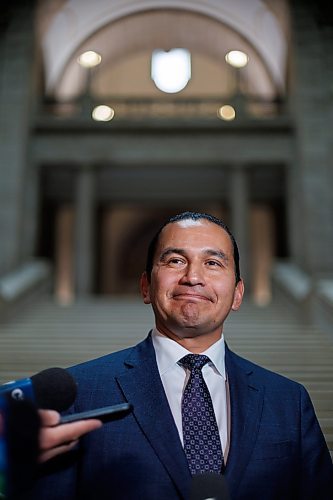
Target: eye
(176, 261)
(213, 263)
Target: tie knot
(191, 361)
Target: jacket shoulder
(263, 376)
(109, 364)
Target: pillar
(85, 231)
(18, 186)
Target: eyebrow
(217, 253)
(181, 251)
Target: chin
(190, 331)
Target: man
(264, 435)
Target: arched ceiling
(119, 29)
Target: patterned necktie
(202, 443)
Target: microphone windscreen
(209, 486)
(54, 388)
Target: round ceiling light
(89, 59)
(226, 112)
(103, 113)
(237, 58)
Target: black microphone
(53, 388)
(209, 486)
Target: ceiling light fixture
(171, 70)
(226, 113)
(89, 59)
(237, 58)
(102, 113)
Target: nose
(193, 275)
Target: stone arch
(77, 21)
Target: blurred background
(116, 114)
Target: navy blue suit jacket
(277, 448)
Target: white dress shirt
(175, 377)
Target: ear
(145, 288)
(238, 295)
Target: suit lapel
(246, 401)
(142, 386)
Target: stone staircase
(49, 335)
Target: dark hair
(192, 216)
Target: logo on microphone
(17, 394)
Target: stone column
(85, 231)
(310, 194)
(64, 255)
(239, 208)
(18, 179)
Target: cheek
(164, 281)
(225, 290)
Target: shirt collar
(168, 353)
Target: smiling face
(193, 286)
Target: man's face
(192, 288)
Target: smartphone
(106, 413)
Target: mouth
(195, 297)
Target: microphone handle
(18, 390)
